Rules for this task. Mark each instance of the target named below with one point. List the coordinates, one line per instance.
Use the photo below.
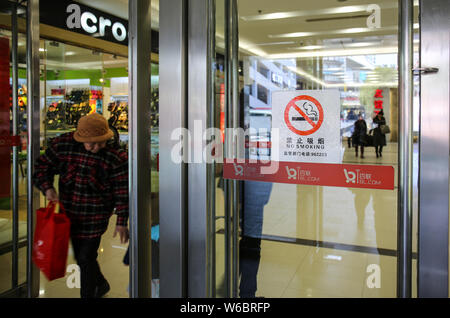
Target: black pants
(362, 149)
(249, 258)
(378, 149)
(86, 255)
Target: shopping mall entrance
(281, 149)
(306, 206)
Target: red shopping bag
(51, 241)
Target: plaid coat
(91, 186)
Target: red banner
(320, 174)
(5, 134)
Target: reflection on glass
(309, 241)
(6, 174)
(256, 196)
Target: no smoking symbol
(304, 120)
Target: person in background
(359, 135)
(93, 183)
(379, 139)
(256, 195)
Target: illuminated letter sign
(82, 19)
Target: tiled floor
(352, 217)
(345, 216)
(110, 256)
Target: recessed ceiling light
(361, 44)
(341, 31)
(307, 47)
(275, 43)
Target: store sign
(318, 174)
(92, 24)
(309, 125)
(378, 102)
(85, 20)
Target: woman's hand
(123, 233)
(51, 195)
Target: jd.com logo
(351, 176)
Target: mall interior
(204, 228)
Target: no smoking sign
(304, 115)
(309, 126)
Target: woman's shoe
(102, 289)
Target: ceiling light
(341, 31)
(310, 47)
(292, 35)
(332, 69)
(310, 13)
(361, 44)
(340, 52)
(275, 43)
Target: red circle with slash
(315, 126)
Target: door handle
(425, 70)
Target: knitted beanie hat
(93, 128)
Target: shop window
(263, 94)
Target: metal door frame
(197, 232)
(434, 170)
(33, 125)
(16, 289)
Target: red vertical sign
(378, 103)
(5, 150)
(222, 111)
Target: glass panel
(219, 112)
(6, 214)
(416, 128)
(155, 178)
(302, 238)
(5, 197)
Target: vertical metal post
(434, 169)
(15, 132)
(405, 149)
(139, 148)
(211, 188)
(236, 124)
(228, 184)
(33, 124)
(199, 61)
(173, 175)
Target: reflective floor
(329, 241)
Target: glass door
(13, 172)
(306, 204)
